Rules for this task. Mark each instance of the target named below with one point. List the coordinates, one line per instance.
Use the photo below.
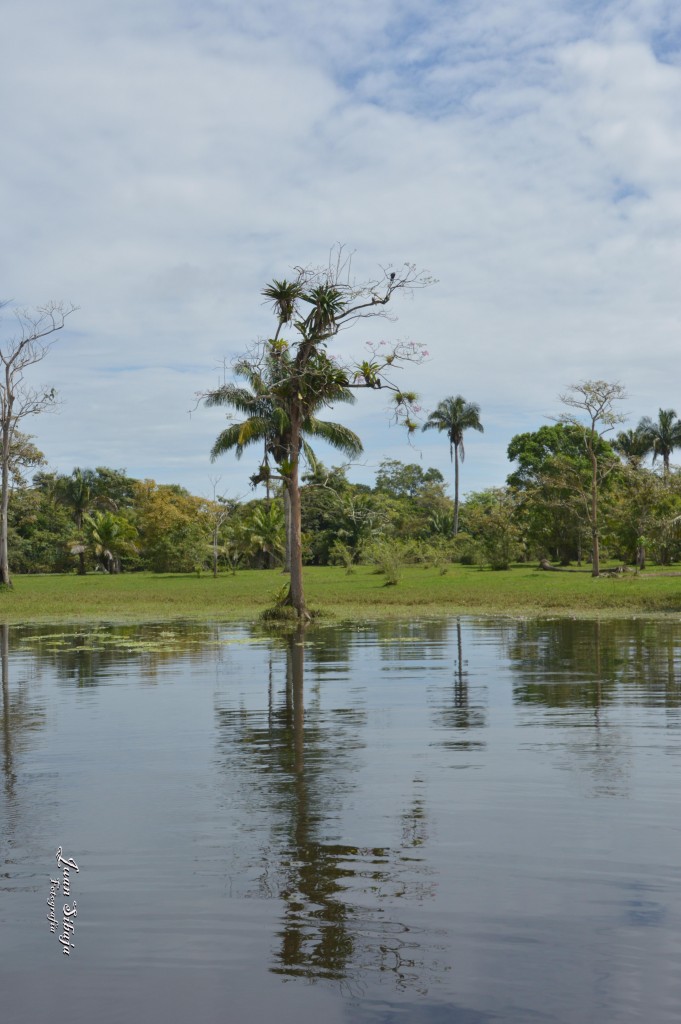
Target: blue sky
(164, 160)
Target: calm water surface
(460, 821)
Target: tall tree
(268, 421)
(28, 346)
(662, 437)
(175, 533)
(315, 306)
(594, 401)
(409, 481)
(454, 416)
(552, 478)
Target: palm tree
(454, 416)
(633, 446)
(110, 537)
(268, 422)
(316, 306)
(77, 493)
(662, 437)
(267, 531)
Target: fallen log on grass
(547, 567)
(618, 570)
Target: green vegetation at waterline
(523, 590)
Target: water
(467, 821)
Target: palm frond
(310, 457)
(237, 436)
(335, 434)
(234, 397)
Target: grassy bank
(522, 590)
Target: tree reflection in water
(335, 920)
(88, 655)
(572, 673)
(21, 715)
(464, 709)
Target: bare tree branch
(28, 346)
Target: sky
(164, 160)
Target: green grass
(523, 590)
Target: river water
(465, 821)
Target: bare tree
(594, 401)
(19, 399)
(218, 509)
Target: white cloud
(165, 163)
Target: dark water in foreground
(450, 821)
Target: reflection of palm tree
(315, 875)
(293, 762)
(455, 416)
(462, 715)
(461, 680)
(318, 938)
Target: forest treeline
(102, 519)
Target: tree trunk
(595, 560)
(641, 556)
(547, 567)
(456, 489)
(4, 504)
(78, 519)
(297, 660)
(8, 759)
(287, 528)
(296, 596)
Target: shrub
(388, 561)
